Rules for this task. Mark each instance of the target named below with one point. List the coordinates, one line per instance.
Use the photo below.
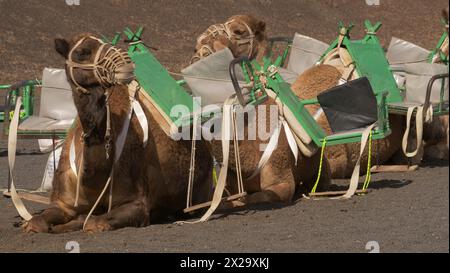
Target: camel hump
(315, 80)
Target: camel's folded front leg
(43, 222)
(133, 214)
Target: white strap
(228, 108)
(142, 118)
(272, 145)
(12, 144)
(355, 175)
(72, 156)
(419, 130)
(119, 144)
(291, 139)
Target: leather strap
(420, 119)
(12, 145)
(228, 108)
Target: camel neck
(91, 110)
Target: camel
(244, 35)
(436, 138)
(436, 134)
(150, 182)
(342, 158)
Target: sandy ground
(407, 212)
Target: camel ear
(62, 47)
(261, 26)
(444, 14)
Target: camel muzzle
(111, 65)
(124, 74)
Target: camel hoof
(96, 225)
(36, 225)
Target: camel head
(92, 63)
(244, 35)
(94, 70)
(247, 35)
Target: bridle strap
(104, 65)
(248, 39)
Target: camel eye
(83, 52)
(238, 32)
(86, 52)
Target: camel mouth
(125, 73)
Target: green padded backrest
(158, 83)
(371, 62)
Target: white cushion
(209, 78)
(417, 77)
(402, 52)
(305, 53)
(35, 123)
(56, 96)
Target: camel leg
(43, 222)
(74, 225)
(324, 181)
(133, 214)
(281, 191)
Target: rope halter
(111, 65)
(224, 30)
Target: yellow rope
(369, 159)
(320, 165)
(214, 175)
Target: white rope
(105, 65)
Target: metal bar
(207, 204)
(334, 193)
(54, 156)
(310, 101)
(429, 88)
(232, 71)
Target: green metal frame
(436, 50)
(276, 40)
(156, 80)
(163, 88)
(370, 61)
(26, 91)
(283, 90)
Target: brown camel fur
(237, 29)
(149, 183)
(281, 178)
(436, 134)
(342, 158)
